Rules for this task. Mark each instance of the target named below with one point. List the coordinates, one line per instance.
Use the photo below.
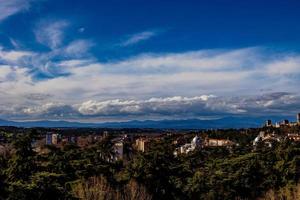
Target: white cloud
(43, 109)
(284, 66)
(138, 37)
(13, 56)
(78, 48)
(205, 60)
(161, 84)
(74, 63)
(4, 71)
(14, 43)
(166, 105)
(11, 7)
(51, 32)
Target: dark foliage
(209, 173)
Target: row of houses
(268, 139)
(61, 140)
(198, 143)
(83, 142)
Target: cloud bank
(177, 107)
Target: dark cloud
(280, 103)
(38, 96)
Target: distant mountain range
(226, 122)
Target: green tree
(22, 164)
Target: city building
(184, 149)
(118, 148)
(54, 138)
(294, 136)
(209, 142)
(142, 144)
(48, 138)
(73, 139)
(105, 134)
(266, 139)
(259, 138)
(196, 143)
(268, 123)
(83, 141)
(285, 122)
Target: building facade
(142, 144)
(209, 142)
(48, 138)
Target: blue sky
(131, 59)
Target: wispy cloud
(14, 43)
(51, 32)
(11, 7)
(12, 57)
(138, 37)
(81, 30)
(78, 48)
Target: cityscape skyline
(142, 100)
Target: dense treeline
(210, 173)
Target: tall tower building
(298, 118)
(54, 138)
(48, 138)
(268, 123)
(285, 122)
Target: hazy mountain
(227, 122)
